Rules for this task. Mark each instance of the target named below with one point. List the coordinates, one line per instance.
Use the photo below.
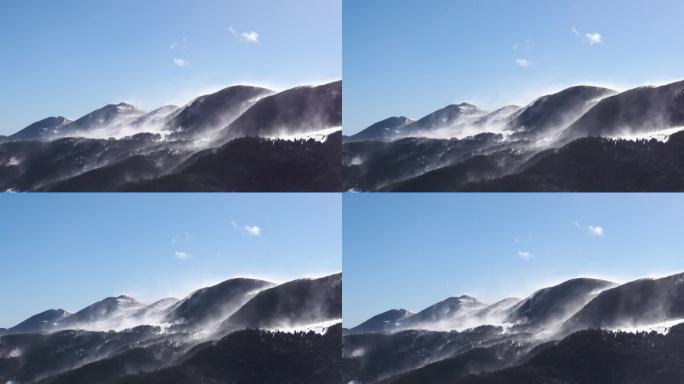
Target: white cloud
(180, 63)
(593, 38)
(182, 255)
(525, 255)
(183, 43)
(574, 31)
(251, 230)
(250, 37)
(595, 230)
(524, 63)
(245, 37)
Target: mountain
(121, 148)
(596, 357)
(292, 304)
(253, 356)
(251, 164)
(637, 303)
(497, 119)
(122, 347)
(447, 314)
(455, 176)
(550, 306)
(296, 110)
(450, 121)
(41, 130)
(41, 322)
(374, 165)
(105, 314)
(104, 118)
(638, 110)
(388, 129)
(554, 112)
(215, 303)
(214, 111)
(552, 336)
(382, 323)
(29, 358)
(625, 166)
(154, 313)
(374, 357)
(496, 313)
(156, 118)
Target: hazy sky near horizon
(71, 250)
(414, 58)
(413, 250)
(71, 57)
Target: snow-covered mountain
(578, 328)
(236, 139)
(527, 138)
(121, 340)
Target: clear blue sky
(70, 57)
(413, 57)
(70, 250)
(413, 250)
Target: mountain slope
(251, 164)
(214, 111)
(382, 323)
(599, 357)
(104, 118)
(553, 305)
(445, 315)
(41, 130)
(554, 112)
(638, 110)
(102, 315)
(450, 121)
(252, 356)
(42, 322)
(387, 129)
(599, 165)
(296, 110)
(639, 302)
(215, 303)
(292, 304)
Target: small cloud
(593, 38)
(251, 230)
(183, 43)
(245, 37)
(524, 63)
(525, 255)
(595, 230)
(182, 255)
(180, 63)
(250, 37)
(575, 31)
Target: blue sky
(416, 57)
(70, 250)
(413, 250)
(70, 57)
